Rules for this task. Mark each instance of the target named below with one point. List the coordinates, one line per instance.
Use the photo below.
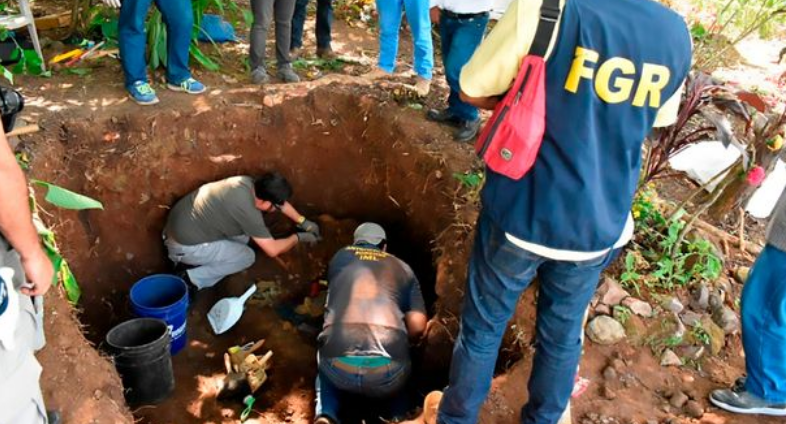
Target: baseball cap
(369, 232)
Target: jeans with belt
(417, 12)
(324, 23)
(335, 379)
(132, 40)
(499, 272)
(460, 37)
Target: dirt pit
(350, 158)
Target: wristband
(301, 220)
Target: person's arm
(274, 247)
(416, 324)
(415, 312)
(16, 223)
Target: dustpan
(227, 312)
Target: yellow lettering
(623, 86)
(653, 79)
(578, 70)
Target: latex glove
(309, 226)
(112, 3)
(434, 13)
(307, 238)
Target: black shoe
(467, 131)
(443, 117)
(744, 402)
(53, 417)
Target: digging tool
(27, 129)
(227, 312)
(234, 383)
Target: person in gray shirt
(374, 309)
(210, 228)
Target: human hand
(307, 238)
(39, 273)
(309, 226)
(112, 3)
(434, 13)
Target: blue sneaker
(142, 93)
(190, 86)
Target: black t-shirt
(369, 293)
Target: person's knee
(246, 258)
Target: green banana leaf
(203, 60)
(67, 199)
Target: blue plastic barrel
(163, 296)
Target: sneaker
(467, 131)
(745, 402)
(376, 74)
(295, 52)
(287, 74)
(326, 53)
(260, 76)
(190, 86)
(142, 93)
(443, 116)
(422, 86)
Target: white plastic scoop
(227, 312)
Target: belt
(337, 363)
(455, 15)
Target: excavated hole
(348, 160)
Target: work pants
(417, 12)
(764, 326)
(214, 260)
(460, 38)
(20, 395)
(324, 23)
(336, 386)
(264, 12)
(179, 19)
(499, 272)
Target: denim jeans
(266, 11)
(179, 19)
(324, 23)
(417, 12)
(499, 272)
(335, 385)
(460, 38)
(764, 326)
(213, 260)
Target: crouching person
(374, 309)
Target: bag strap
(549, 15)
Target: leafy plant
(630, 278)
(27, 60)
(699, 334)
(622, 313)
(471, 180)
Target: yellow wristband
(301, 220)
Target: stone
(692, 352)
(605, 330)
(717, 336)
(607, 393)
(693, 409)
(674, 305)
(611, 293)
(701, 298)
(678, 399)
(679, 330)
(724, 285)
(602, 309)
(636, 330)
(638, 307)
(669, 358)
(609, 373)
(727, 319)
(690, 318)
(741, 274)
(716, 300)
(618, 364)
(652, 421)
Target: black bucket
(140, 348)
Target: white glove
(112, 3)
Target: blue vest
(613, 66)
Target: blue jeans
(324, 23)
(420, 24)
(179, 19)
(334, 385)
(764, 326)
(460, 38)
(499, 272)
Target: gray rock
(674, 305)
(741, 274)
(727, 319)
(717, 336)
(701, 298)
(669, 358)
(609, 373)
(680, 330)
(605, 330)
(611, 293)
(638, 307)
(692, 352)
(716, 300)
(693, 409)
(678, 399)
(690, 318)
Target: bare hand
(434, 13)
(40, 273)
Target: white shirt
(464, 6)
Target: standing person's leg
(327, 396)
(417, 12)
(498, 272)
(565, 291)
(132, 42)
(283, 15)
(179, 18)
(263, 15)
(214, 260)
(389, 26)
(324, 27)
(468, 35)
(447, 27)
(298, 22)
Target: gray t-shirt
(369, 293)
(217, 211)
